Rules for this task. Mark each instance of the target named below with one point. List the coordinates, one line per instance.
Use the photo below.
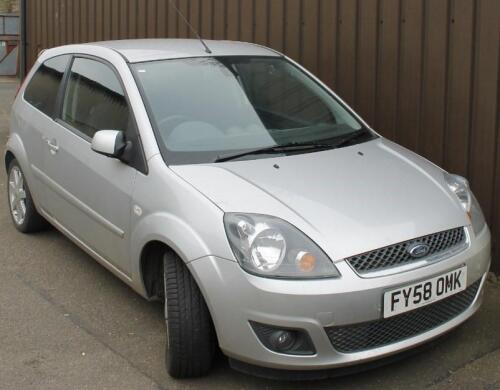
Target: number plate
(420, 294)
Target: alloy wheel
(17, 195)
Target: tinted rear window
(42, 90)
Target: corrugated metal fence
(424, 73)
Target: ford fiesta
(231, 183)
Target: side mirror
(110, 143)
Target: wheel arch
(151, 271)
(151, 268)
(15, 150)
(9, 157)
(159, 232)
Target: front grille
(369, 335)
(397, 254)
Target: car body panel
(89, 194)
(27, 141)
(338, 196)
(173, 212)
(141, 50)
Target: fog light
(287, 341)
(282, 340)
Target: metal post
(22, 43)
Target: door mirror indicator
(110, 143)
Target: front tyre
(191, 337)
(22, 208)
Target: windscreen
(203, 108)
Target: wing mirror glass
(110, 143)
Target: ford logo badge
(418, 250)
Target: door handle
(52, 143)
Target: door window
(95, 99)
(43, 87)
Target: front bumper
(235, 297)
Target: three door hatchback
(273, 222)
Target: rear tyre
(191, 337)
(22, 208)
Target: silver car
(234, 185)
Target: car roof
(141, 50)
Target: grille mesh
(368, 335)
(397, 254)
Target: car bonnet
(349, 200)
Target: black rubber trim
(308, 375)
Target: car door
(87, 193)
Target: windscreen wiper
(291, 147)
(347, 140)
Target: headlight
(460, 187)
(269, 246)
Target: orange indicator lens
(306, 261)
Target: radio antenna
(193, 30)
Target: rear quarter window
(43, 87)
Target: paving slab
(482, 373)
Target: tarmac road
(67, 323)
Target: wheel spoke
(12, 199)
(21, 181)
(15, 173)
(22, 209)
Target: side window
(43, 87)
(94, 99)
